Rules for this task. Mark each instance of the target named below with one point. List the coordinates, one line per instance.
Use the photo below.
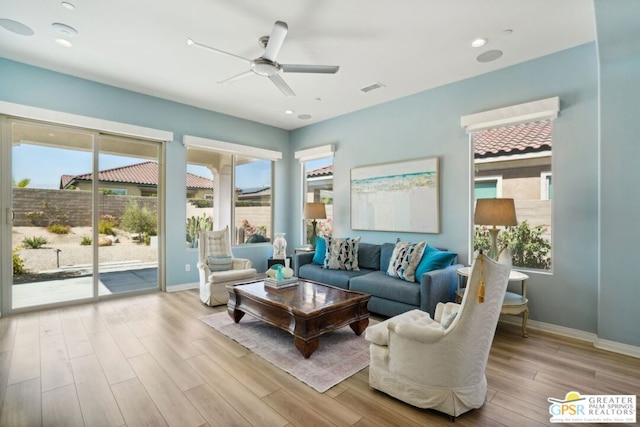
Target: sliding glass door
(81, 214)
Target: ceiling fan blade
(282, 85)
(297, 68)
(276, 39)
(192, 42)
(236, 77)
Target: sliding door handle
(11, 215)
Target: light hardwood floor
(149, 361)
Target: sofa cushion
(219, 263)
(321, 251)
(369, 256)
(342, 253)
(338, 278)
(405, 259)
(434, 259)
(379, 284)
(386, 250)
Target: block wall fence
(75, 204)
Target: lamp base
(493, 237)
(314, 235)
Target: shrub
(528, 246)
(18, 263)
(58, 229)
(35, 242)
(86, 241)
(106, 224)
(136, 219)
(48, 215)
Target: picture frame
(401, 196)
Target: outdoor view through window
(211, 203)
(319, 189)
(515, 162)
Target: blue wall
(24, 84)
(619, 51)
(428, 124)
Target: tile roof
(517, 139)
(323, 171)
(145, 173)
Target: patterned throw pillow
(405, 259)
(342, 254)
(219, 263)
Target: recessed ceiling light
(507, 32)
(64, 29)
(479, 42)
(304, 116)
(318, 99)
(68, 5)
(64, 42)
(16, 27)
(289, 112)
(488, 56)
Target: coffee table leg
(306, 347)
(235, 314)
(359, 326)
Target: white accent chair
(440, 363)
(216, 255)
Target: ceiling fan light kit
(266, 65)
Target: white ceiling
(408, 45)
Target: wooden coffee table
(306, 310)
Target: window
(546, 186)
(253, 178)
(487, 187)
(515, 144)
(227, 187)
(317, 187)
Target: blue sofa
(389, 296)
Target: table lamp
(314, 211)
(495, 212)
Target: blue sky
(45, 165)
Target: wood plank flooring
(149, 361)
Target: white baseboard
(613, 346)
(183, 287)
(617, 347)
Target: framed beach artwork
(401, 196)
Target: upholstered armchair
(440, 363)
(217, 267)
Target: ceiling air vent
(374, 86)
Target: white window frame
(235, 150)
(496, 178)
(543, 109)
(544, 186)
(304, 156)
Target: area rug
(340, 354)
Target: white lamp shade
(314, 211)
(495, 212)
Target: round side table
(513, 303)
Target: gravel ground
(72, 253)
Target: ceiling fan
(266, 65)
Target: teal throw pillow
(321, 249)
(434, 259)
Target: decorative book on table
(280, 283)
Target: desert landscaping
(72, 254)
